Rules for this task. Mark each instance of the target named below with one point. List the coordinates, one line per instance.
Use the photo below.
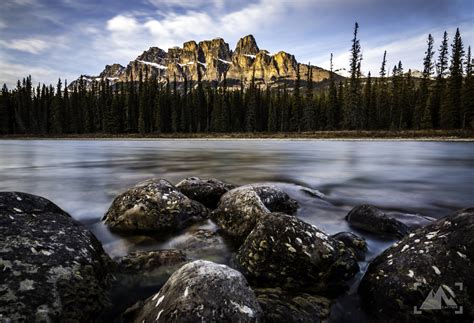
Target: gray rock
(353, 241)
(154, 205)
(371, 219)
(207, 191)
(281, 306)
(142, 261)
(52, 268)
(403, 277)
(241, 208)
(201, 291)
(284, 251)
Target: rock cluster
(283, 269)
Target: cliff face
(214, 60)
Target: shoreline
(419, 135)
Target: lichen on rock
(154, 205)
(52, 268)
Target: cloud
(11, 72)
(29, 45)
(122, 24)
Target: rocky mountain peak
(246, 46)
(112, 71)
(213, 59)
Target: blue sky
(65, 38)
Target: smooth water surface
(83, 177)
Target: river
(410, 177)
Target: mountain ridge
(214, 60)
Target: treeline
(443, 98)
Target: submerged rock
(142, 261)
(154, 205)
(241, 208)
(284, 251)
(204, 244)
(201, 291)
(207, 191)
(353, 241)
(369, 218)
(430, 268)
(280, 306)
(52, 269)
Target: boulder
(353, 241)
(154, 205)
(422, 273)
(202, 291)
(285, 251)
(371, 219)
(143, 261)
(241, 208)
(52, 268)
(207, 191)
(204, 244)
(281, 306)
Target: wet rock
(52, 268)
(154, 205)
(284, 251)
(207, 191)
(353, 241)
(141, 261)
(202, 291)
(280, 306)
(241, 208)
(422, 270)
(369, 218)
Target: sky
(49, 39)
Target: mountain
(214, 59)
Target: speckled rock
(202, 291)
(140, 261)
(51, 268)
(369, 218)
(154, 205)
(285, 251)
(412, 271)
(204, 244)
(353, 241)
(281, 306)
(207, 191)
(241, 208)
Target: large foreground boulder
(208, 191)
(202, 291)
(371, 219)
(281, 306)
(241, 208)
(154, 205)
(284, 251)
(51, 268)
(424, 273)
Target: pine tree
(468, 94)
(353, 103)
(422, 107)
(451, 106)
(440, 85)
(309, 112)
(383, 104)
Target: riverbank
(421, 135)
